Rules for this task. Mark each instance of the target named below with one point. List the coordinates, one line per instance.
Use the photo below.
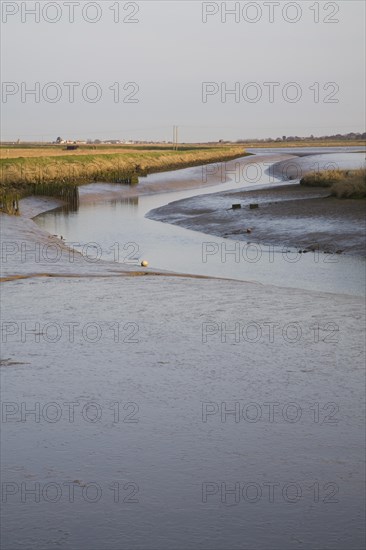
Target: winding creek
(120, 230)
(196, 443)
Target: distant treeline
(352, 136)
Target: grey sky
(169, 53)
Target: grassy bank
(55, 172)
(343, 184)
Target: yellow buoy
(144, 263)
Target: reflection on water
(115, 224)
(131, 201)
(72, 206)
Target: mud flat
(287, 215)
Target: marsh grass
(59, 176)
(107, 166)
(353, 187)
(343, 184)
(324, 178)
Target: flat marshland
(56, 163)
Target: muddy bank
(287, 215)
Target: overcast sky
(171, 54)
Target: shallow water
(185, 481)
(121, 232)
